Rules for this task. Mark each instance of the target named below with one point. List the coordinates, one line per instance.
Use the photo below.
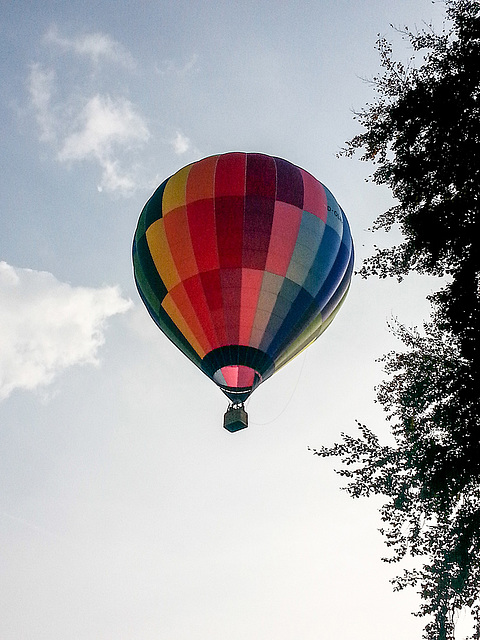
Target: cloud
(49, 326)
(101, 128)
(171, 67)
(83, 121)
(180, 143)
(96, 46)
(40, 87)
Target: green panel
(152, 211)
(309, 335)
(151, 275)
(152, 291)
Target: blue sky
(126, 511)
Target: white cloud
(180, 143)
(83, 124)
(41, 87)
(95, 46)
(171, 67)
(103, 125)
(102, 129)
(48, 326)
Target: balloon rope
(289, 399)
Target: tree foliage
(423, 134)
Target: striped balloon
(242, 260)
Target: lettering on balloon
(337, 214)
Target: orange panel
(178, 235)
(190, 320)
(201, 180)
(194, 288)
(171, 308)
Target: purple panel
(257, 230)
(231, 282)
(289, 183)
(261, 176)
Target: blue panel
(323, 262)
(292, 325)
(337, 296)
(271, 330)
(289, 291)
(309, 238)
(335, 215)
(334, 277)
(282, 305)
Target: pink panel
(314, 198)
(251, 284)
(286, 223)
(246, 376)
(231, 375)
(238, 376)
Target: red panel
(230, 175)
(286, 223)
(314, 198)
(231, 280)
(229, 225)
(201, 220)
(201, 180)
(213, 294)
(194, 288)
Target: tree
(422, 132)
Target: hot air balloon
(242, 260)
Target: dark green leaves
(422, 133)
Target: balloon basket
(235, 418)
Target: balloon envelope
(242, 260)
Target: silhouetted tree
(423, 133)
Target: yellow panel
(175, 191)
(161, 254)
(171, 308)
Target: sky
(126, 511)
